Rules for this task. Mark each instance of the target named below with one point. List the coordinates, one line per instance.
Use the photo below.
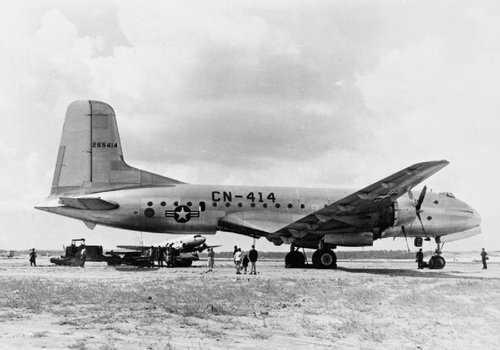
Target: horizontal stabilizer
(87, 203)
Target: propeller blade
(421, 223)
(421, 199)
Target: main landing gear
(436, 261)
(323, 258)
(294, 259)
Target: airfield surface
(377, 304)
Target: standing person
(420, 259)
(151, 257)
(161, 256)
(33, 257)
(245, 264)
(237, 261)
(253, 255)
(211, 259)
(170, 253)
(83, 256)
(484, 257)
(234, 253)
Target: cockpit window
(447, 194)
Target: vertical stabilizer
(90, 157)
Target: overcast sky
(292, 93)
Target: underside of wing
(354, 219)
(255, 224)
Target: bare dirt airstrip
(363, 305)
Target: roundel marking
(182, 214)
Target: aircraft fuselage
(197, 209)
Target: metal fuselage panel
(207, 205)
(197, 209)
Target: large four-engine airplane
(93, 183)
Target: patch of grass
(40, 334)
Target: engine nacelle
(357, 239)
(404, 212)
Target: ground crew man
(151, 257)
(237, 261)
(420, 259)
(161, 256)
(33, 257)
(253, 255)
(484, 257)
(83, 256)
(211, 259)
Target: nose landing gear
(436, 261)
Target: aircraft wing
(349, 212)
(214, 246)
(133, 247)
(254, 224)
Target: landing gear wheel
(324, 259)
(294, 259)
(436, 262)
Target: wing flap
(250, 224)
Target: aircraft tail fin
(90, 157)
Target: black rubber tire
(324, 259)
(315, 258)
(295, 260)
(437, 262)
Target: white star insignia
(182, 214)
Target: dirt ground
(375, 304)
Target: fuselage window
(149, 212)
(228, 204)
(290, 206)
(189, 204)
(163, 204)
(278, 205)
(176, 204)
(302, 206)
(240, 205)
(202, 206)
(252, 205)
(264, 205)
(429, 218)
(214, 204)
(150, 204)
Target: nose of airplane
(474, 218)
